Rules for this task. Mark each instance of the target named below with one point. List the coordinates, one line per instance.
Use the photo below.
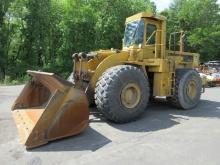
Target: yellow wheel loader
(119, 82)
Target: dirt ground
(163, 135)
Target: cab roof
(146, 15)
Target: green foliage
(43, 34)
(201, 21)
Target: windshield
(134, 33)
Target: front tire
(122, 93)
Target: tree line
(42, 34)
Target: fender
(112, 60)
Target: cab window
(150, 37)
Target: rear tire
(122, 93)
(188, 89)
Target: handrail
(155, 45)
(181, 46)
(151, 36)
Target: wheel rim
(191, 89)
(131, 95)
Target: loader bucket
(49, 108)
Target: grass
(24, 79)
(9, 81)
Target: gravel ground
(163, 135)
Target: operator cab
(146, 31)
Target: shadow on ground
(158, 116)
(89, 140)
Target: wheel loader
(119, 82)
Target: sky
(163, 4)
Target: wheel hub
(130, 95)
(191, 89)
